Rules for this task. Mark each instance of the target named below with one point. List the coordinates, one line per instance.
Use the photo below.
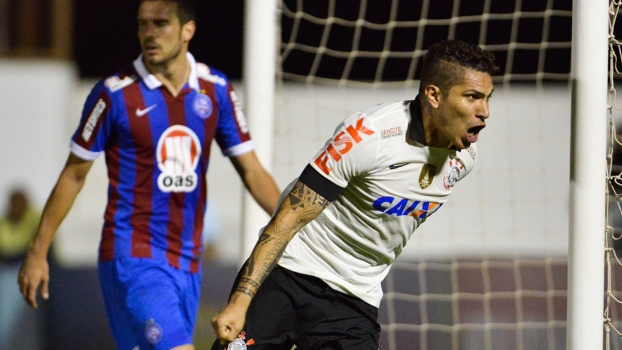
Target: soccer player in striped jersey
(314, 277)
(154, 121)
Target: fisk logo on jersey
(342, 144)
(178, 154)
(402, 206)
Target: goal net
(489, 270)
(613, 248)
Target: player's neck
(433, 136)
(173, 75)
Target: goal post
(587, 169)
(260, 49)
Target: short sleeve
(352, 151)
(91, 136)
(233, 135)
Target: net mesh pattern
(382, 41)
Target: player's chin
(152, 57)
(464, 144)
(158, 63)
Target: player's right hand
(227, 325)
(34, 273)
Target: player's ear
(432, 95)
(187, 31)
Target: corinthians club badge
(237, 344)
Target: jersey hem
(83, 153)
(240, 149)
(330, 281)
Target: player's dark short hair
(444, 63)
(185, 10)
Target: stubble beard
(165, 61)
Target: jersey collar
(153, 83)
(415, 129)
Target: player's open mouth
(473, 133)
(476, 129)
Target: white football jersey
(390, 182)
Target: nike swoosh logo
(395, 166)
(141, 112)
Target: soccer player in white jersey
(314, 277)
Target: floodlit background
(515, 203)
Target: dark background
(405, 39)
(105, 35)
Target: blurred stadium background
(512, 210)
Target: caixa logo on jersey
(178, 154)
(402, 206)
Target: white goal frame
(259, 72)
(586, 268)
(587, 206)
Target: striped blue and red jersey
(157, 149)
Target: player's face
(162, 38)
(463, 110)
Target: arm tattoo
(247, 286)
(302, 198)
(302, 206)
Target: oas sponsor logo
(153, 332)
(342, 144)
(178, 153)
(202, 105)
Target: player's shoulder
(386, 109)
(468, 155)
(120, 79)
(211, 74)
(386, 115)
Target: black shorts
(294, 309)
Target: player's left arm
(257, 180)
